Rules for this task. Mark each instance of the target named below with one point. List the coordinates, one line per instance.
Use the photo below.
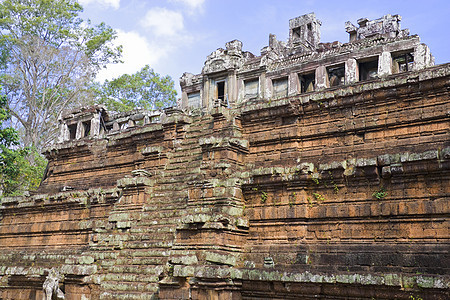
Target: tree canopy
(143, 89)
(50, 57)
(21, 168)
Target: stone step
(129, 286)
(126, 296)
(121, 277)
(135, 269)
(155, 260)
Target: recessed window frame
(191, 102)
(402, 61)
(72, 131)
(247, 84)
(305, 80)
(336, 75)
(221, 89)
(366, 68)
(276, 82)
(86, 128)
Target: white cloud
(113, 3)
(166, 34)
(194, 4)
(137, 52)
(163, 22)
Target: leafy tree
(144, 89)
(9, 168)
(50, 56)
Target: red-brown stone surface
(340, 194)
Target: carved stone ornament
(51, 286)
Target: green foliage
(20, 17)
(8, 139)
(335, 187)
(49, 56)
(17, 174)
(292, 199)
(8, 136)
(25, 172)
(319, 197)
(380, 194)
(264, 197)
(144, 89)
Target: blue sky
(175, 36)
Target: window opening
(194, 100)
(221, 90)
(402, 63)
(336, 76)
(251, 88)
(307, 82)
(280, 87)
(87, 128)
(72, 131)
(296, 32)
(123, 125)
(368, 70)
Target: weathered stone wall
(339, 194)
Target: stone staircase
(143, 234)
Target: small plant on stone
(380, 194)
(292, 199)
(319, 197)
(264, 197)
(336, 188)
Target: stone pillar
(184, 100)
(262, 86)
(95, 125)
(422, 57)
(322, 81)
(206, 93)
(64, 134)
(241, 90)
(351, 71)
(384, 64)
(268, 88)
(293, 84)
(80, 131)
(232, 89)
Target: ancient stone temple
(312, 171)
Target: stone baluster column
(80, 131)
(268, 88)
(422, 57)
(351, 71)
(95, 125)
(293, 84)
(384, 64)
(322, 81)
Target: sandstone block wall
(336, 194)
